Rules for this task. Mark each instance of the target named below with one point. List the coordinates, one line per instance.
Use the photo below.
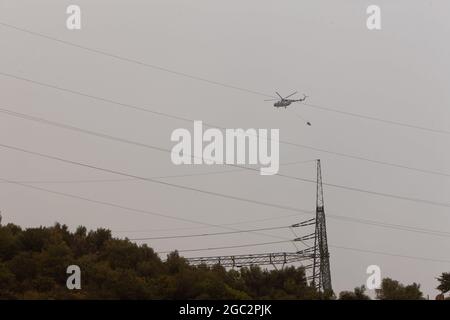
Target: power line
(183, 187)
(211, 234)
(119, 139)
(60, 125)
(390, 254)
(191, 228)
(358, 115)
(381, 194)
(109, 204)
(226, 226)
(347, 219)
(134, 176)
(69, 127)
(376, 193)
(68, 181)
(109, 137)
(228, 247)
(106, 136)
(197, 222)
(213, 82)
(391, 225)
(367, 222)
(359, 158)
(90, 96)
(118, 206)
(144, 64)
(331, 216)
(357, 220)
(174, 185)
(163, 114)
(45, 121)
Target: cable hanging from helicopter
(285, 102)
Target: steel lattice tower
(321, 264)
(315, 258)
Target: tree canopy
(444, 282)
(394, 290)
(33, 265)
(34, 261)
(357, 294)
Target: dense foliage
(444, 282)
(33, 265)
(357, 294)
(394, 290)
(34, 261)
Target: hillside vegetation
(34, 261)
(33, 265)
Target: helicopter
(285, 102)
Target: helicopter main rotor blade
(291, 95)
(271, 100)
(279, 95)
(302, 99)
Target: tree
(8, 244)
(357, 294)
(444, 285)
(394, 290)
(33, 264)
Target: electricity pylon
(317, 255)
(321, 264)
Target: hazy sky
(322, 48)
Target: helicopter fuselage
(282, 103)
(285, 102)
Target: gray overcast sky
(322, 48)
